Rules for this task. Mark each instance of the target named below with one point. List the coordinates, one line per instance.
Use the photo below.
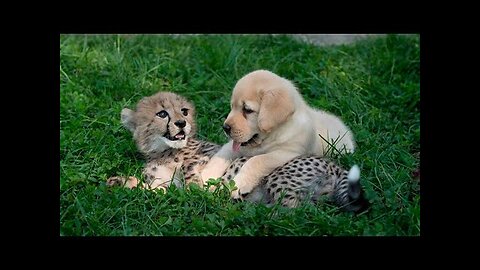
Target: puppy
(270, 122)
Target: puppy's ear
(275, 108)
(128, 119)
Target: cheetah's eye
(162, 114)
(185, 111)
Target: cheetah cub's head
(162, 121)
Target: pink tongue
(236, 146)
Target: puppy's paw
(239, 195)
(241, 191)
(236, 195)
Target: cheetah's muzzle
(179, 136)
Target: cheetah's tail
(351, 198)
(353, 175)
(353, 179)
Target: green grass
(374, 85)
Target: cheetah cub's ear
(128, 119)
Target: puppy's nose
(227, 128)
(180, 123)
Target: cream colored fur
(286, 126)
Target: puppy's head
(261, 102)
(164, 120)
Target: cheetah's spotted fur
(301, 179)
(306, 178)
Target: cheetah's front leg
(129, 182)
(158, 176)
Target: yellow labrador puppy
(270, 122)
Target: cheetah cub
(163, 128)
(306, 178)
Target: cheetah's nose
(180, 123)
(227, 129)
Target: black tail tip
(358, 205)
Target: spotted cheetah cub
(163, 128)
(306, 178)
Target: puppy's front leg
(258, 167)
(217, 165)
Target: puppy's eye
(185, 111)
(247, 110)
(162, 114)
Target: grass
(374, 85)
